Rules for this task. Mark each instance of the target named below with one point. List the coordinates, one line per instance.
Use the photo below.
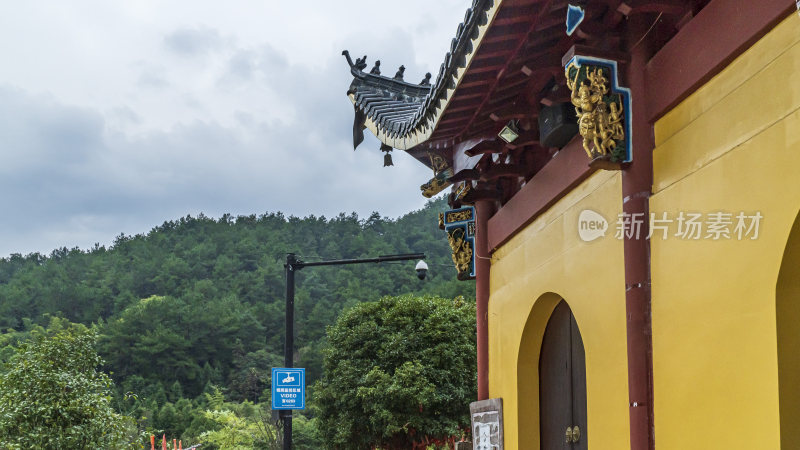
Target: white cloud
(196, 41)
(116, 116)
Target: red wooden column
(637, 182)
(483, 211)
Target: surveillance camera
(422, 270)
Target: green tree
(198, 302)
(240, 426)
(398, 373)
(305, 433)
(234, 432)
(52, 396)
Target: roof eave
(440, 93)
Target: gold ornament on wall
(600, 110)
(441, 174)
(462, 251)
(460, 216)
(460, 227)
(438, 163)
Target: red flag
(164, 442)
(152, 442)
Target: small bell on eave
(387, 158)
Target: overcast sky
(118, 115)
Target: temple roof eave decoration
(500, 108)
(402, 114)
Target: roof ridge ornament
(399, 75)
(361, 63)
(427, 80)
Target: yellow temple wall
(721, 358)
(732, 146)
(544, 262)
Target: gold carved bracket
(603, 110)
(441, 174)
(460, 227)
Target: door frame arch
(787, 317)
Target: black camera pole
(292, 265)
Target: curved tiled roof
(403, 115)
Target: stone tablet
(487, 424)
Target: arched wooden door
(562, 383)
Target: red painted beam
(483, 210)
(545, 6)
(489, 146)
(706, 45)
(629, 7)
(637, 182)
(567, 169)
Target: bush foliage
(399, 373)
(52, 395)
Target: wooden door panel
(579, 413)
(555, 380)
(562, 382)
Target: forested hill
(200, 301)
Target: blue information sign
(288, 388)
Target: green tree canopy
(52, 396)
(198, 302)
(398, 373)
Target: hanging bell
(387, 158)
